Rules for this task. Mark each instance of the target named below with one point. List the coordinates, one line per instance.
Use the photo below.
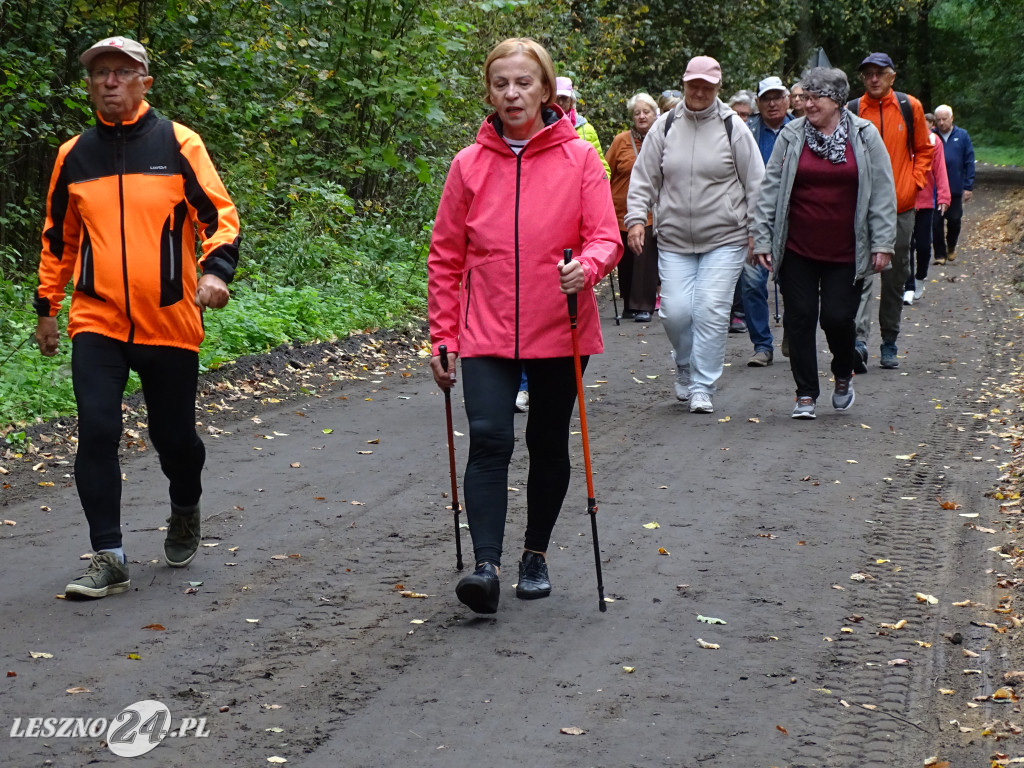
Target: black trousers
(489, 386)
(99, 369)
(920, 247)
(638, 275)
(813, 289)
(950, 221)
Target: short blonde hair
(533, 49)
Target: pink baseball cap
(703, 68)
(563, 87)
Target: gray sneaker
(761, 359)
(888, 350)
(183, 536)
(843, 396)
(107, 575)
(682, 382)
(700, 402)
(804, 408)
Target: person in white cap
(772, 100)
(566, 98)
(701, 167)
(128, 199)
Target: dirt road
(290, 636)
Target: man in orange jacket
(127, 200)
(900, 119)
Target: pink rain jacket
(501, 226)
(936, 181)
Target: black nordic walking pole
(443, 349)
(591, 500)
(615, 302)
(777, 315)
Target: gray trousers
(890, 306)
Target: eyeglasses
(779, 96)
(102, 73)
(814, 96)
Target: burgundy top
(822, 208)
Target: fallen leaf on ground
(905, 456)
(947, 504)
(134, 656)
(364, 453)
(707, 645)
(155, 627)
(373, 442)
(276, 759)
(782, 730)
(651, 526)
(253, 621)
(78, 689)
(899, 662)
(923, 598)
(295, 465)
(709, 619)
(946, 691)
(725, 419)
(970, 654)
(572, 730)
(629, 670)
(663, 551)
(410, 593)
(40, 655)
(898, 625)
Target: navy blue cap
(880, 59)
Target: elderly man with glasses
(772, 114)
(128, 199)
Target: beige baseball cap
(128, 47)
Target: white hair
(644, 98)
(944, 108)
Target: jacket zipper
(468, 276)
(124, 245)
(519, 171)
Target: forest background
(333, 123)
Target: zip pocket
(87, 270)
(172, 289)
(465, 323)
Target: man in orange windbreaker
(900, 119)
(127, 199)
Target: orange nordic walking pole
(591, 500)
(443, 349)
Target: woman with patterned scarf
(638, 272)
(825, 220)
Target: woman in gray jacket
(825, 220)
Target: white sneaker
(919, 292)
(523, 401)
(908, 298)
(700, 402)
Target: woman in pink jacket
(527, 189)
(932, 197)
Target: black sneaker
(480, 589)
(533, 577)
(107, 575)
(860, 358)
(843, 395)
(183, 536)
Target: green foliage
(999, 155)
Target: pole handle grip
(443, 351)
(567, 255)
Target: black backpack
(906, 109)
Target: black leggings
(99, 369)
(813, 290)
(490, 385)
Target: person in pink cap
(701, 167)
(566, 97)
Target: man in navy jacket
(960, 169)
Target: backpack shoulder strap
(854, 106)
(907, 109)
(668, 120)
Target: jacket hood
(555, 131)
